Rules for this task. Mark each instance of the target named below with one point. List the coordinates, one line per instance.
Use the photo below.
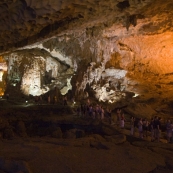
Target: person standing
(7, 96)
(118, 116)
(65, 100)
(122, 121)
(152, 129)
(48, 99)
(97, 109)
(132, 124)
(145, 127)
(109, 111)
(158, 129)
(169, 130)
(102, 113)
(93, 113)
(140, 128)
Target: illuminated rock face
(36, 73)
(113, 49)
(114, 69)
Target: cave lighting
(1, 92)
(136, 95)
(1, 74)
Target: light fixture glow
(1, 74)
(136, 95)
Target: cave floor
(33, 147)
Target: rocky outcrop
(112, 51)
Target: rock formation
(112, 50)
(117, 52)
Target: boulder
(116, 139)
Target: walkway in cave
(67, 115)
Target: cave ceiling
(112, 49)
(26, 21)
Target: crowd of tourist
(152, 128)
(93, 111)
(144, 127)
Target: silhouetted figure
(145, 127)
(169, 128)
(122, 121)
(152, 129)
(132, 124)
(118, 116)
(65, 100)
(7, 96)
(48, 99)
(140, 128)
(55, 100)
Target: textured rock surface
(25, 21)
(117, 51)
(113, 49)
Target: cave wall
(109, 63)
(112, 53)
